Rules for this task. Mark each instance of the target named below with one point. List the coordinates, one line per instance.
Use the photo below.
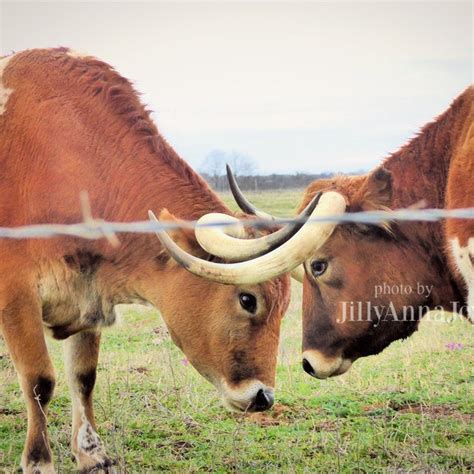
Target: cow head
(224, 307)
(364, 286)
(229, 333)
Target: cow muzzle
(320, 366)
(248, 396)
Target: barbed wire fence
(96, 228)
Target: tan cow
(68, 124)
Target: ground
(409, 409)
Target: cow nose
(308, 368)
(263, 400)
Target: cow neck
(157, 179)
(172, 184)
(420, 168)
(420, 175)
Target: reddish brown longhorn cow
(369, 285)
(70, 124)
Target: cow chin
(248, 396)
(321, 366)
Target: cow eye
(318, 267)
(248, 302)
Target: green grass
(279, 203)
(408, 409)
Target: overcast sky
(297, 86)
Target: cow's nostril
(308, 368)
(263, 400)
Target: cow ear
(184, 238)
(376, 192)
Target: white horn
(231, 243)
(281, 260)
(298, 273)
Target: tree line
(264, 182)
(245, 168)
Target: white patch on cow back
(5, 92)
(78, 54)
(464, 259)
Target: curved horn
(281, 260)
(244, 204)
(224, 243)
(298, 273)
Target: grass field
(279, 203)
(409, 409)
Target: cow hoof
(89, 451)
(106, 466)
(38, 468)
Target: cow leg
(81, 355)
(21, 325)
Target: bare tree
(242, 165)
(213, 166)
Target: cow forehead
(277, 295)
(5, 92)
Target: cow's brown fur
(74, 124)
(436, 169)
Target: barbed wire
(94, 228)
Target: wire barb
(98, 227)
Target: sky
(307, 87)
